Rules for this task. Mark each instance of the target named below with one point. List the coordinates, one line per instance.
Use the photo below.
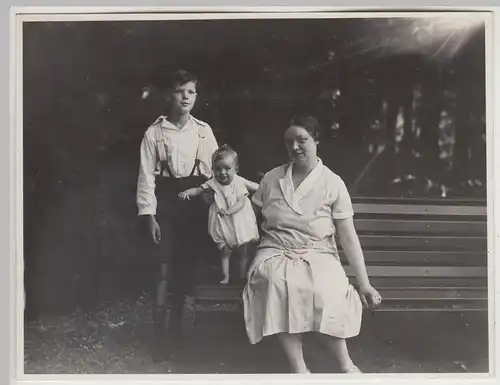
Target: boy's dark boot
(159, 346)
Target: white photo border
(18, 15)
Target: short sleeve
(241, 189)
(259, 196)
(208, 184)
(342, 207)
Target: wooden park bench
(422, 255)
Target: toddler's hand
(183, 195)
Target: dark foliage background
(402, 104)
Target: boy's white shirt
(182, 145)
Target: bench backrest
(426, 246)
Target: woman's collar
(292, 195)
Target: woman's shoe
(353, 369)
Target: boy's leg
(160, 305)
(164, 255)
(178, 292)
(190, 235)
(183, 269)
(161, 346)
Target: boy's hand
(184, 195)
(154, 229)
(208, 196)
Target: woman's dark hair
(179, 77)
(223, 152)
(308, 123)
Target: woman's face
(301, 146)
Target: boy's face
(182, 98)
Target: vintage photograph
(255, 193)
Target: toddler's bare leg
(225, 254)
(244, 260)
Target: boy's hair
(179, 77)
(223, 152)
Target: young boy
(176, 154)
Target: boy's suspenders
(160, 148)
(162, 155)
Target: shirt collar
(165, 123)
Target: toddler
(231, 220)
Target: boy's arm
(146, 199)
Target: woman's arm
(354, 254)
(258, 212)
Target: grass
(115, 338)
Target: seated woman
(296, 283)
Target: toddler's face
(225, 170)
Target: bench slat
(423, 242)
(447, 306)
(225, 293)
(422, 271)
(423, 281)
(387, 209)
(433, 258)
(404, 258)
(420, 227)
(434, 305)
(433, 293)
(420, 201)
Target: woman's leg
(225, 254)
(338, 347)
(292, 345)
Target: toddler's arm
(192, 192)
(251, 186)
(240, 203)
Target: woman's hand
(222, 212)
(369, 297)
(154, 229)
